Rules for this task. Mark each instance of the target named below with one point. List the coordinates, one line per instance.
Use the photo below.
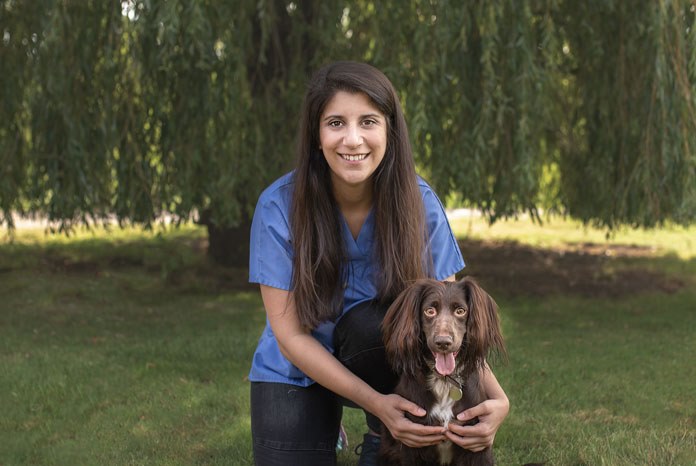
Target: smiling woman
(332, 245)
(353, 138)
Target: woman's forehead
(344, 103)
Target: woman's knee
(302, 425)
(359, 346)
(359, 329)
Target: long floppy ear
(401, 328)
(484, 337)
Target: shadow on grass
(177, 257)
(180, 259)
(587, 270)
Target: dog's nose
(444, 342)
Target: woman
(332, 244)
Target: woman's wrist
(372, 401)
(504, 404)
(499, 396)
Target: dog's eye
(460, 312)
(430, 312)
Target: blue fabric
(271, 264)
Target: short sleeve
(270, 249)
(446, 255)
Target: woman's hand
(391, 411)
(490, 414)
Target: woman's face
(353, 138)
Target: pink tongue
(444, 363)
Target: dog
(437, 336)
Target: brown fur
(432, 316)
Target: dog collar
(455, 391)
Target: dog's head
(449, 326)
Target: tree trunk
(229, 246)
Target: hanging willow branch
(138, 108)
(634, 120)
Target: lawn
(130, 348)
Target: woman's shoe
(368, 450)
(342, 441)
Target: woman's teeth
(354, 158)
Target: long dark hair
(319, 255)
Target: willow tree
(140, 108)
(629, 155)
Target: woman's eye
(335, 123)
(369, 122)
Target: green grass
(555, 231)
(130, 348)
(600, 382)
(107, 359)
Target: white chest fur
(442, 412)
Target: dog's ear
(484, 337)
(401, 328)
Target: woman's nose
(353, 138)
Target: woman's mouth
(353, 157)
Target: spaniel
(437, 336)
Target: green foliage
(631, 152)
(137, 108)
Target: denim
(359, 346)
(292, 425)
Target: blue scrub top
(270, 264)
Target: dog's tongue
(444, 363)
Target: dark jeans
(293, 425)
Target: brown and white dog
(437, 337)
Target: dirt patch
(588, 270)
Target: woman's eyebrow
(361, 117)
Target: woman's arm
(299, 346)
(490, 413)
